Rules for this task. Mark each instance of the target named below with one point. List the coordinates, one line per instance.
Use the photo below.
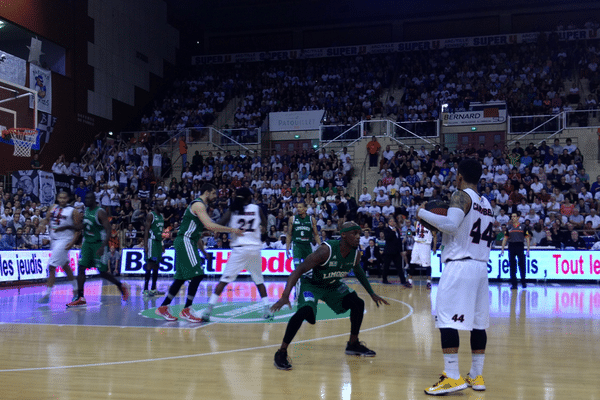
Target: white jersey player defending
(245, 250)
(63, 235)
(462, 300)
(421, 251)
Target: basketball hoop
(23, 139)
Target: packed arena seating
(553, 194)
(125, 176)
(529, 77)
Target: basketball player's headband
(350, 228)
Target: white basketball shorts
(244, 258)
(462, 300)
(58, 255)
(421, 254)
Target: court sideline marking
(411, 310)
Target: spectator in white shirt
(500, 177)
(388, 153)
(387, 210)
(374, 209)
(363, 208)
(594, 218)
(382, 198)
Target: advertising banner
(540, 301)
(541, 264)
(274, 262)
(23, 265)
(295, 120)
(489, 113)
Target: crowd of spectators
(547, 186)
(126, 184)
(529, 77)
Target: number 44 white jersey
(249, 222)
(475, 236)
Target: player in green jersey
(302, 228)
(320, 276)
(187, 260)
(94, 250)
(153, 247)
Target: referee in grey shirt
(516, 234)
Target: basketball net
(23, 139)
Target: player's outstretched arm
(313, 260)
(78, 226)
(199, 210)
(225, 218)
(45, 221)
(460, 203)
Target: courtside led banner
(23, 265)
(541, 264)
(546, 301)
(274, 262)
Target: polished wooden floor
(543, 343)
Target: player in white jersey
(462, 301)
(63, 235)
(245, 250)
(421, 251)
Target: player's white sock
(410, 281)
(428, 280)
(477, 365)
(451, 366)
(48, 291)
(265, 301)
(213, 300)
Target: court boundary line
(410, 312)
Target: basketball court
(541, 345)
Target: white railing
(380, 127)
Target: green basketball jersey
(191, 227)
(334, 269)
(93, 231)
(156, 228)
(302, 230)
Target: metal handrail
(341, 134)
(228, 137)
(412, 133)
(560, 126)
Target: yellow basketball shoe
(446, 385)
(476, 383)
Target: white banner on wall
(541, 264)
(13, 69)
(295, 120)
(40, 80)
(475, 41)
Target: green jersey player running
(94, 250)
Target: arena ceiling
(235, 15)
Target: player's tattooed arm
(461, 200)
